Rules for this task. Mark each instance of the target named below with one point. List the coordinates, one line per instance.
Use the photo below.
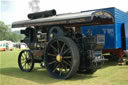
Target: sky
(16, 10)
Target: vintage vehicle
(6, 45)
(3, 46)
(72, 42)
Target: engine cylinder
(42, 14)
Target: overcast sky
(14, 10)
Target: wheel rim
(59, 58)
(25, 61)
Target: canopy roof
(69, 18)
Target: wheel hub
(28, 60)
(51, 35)
(59, 58)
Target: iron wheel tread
(19, 61)
(75, 57)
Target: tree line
(7, 34)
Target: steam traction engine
(64, 44)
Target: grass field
(10, 74)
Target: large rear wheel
(61, 58)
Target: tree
(7, 34)
(3, 30)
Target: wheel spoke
(62, 48)
(66, 51)
(25, 54)
(29, 56)
(60, 69)
(69, 60)
(66, 68)
(23, 62)
(55, 68)
(22, 57)
(66, 57)
(50, 54)
(58, 44)
(28, 65)
(69, 52)
(52, 62)
(24, 66)
(62, 65)
(66, 63)
(54, 48)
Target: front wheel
(25, 61)
(61, 58)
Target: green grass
(10, 74)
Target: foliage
(6, 34)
